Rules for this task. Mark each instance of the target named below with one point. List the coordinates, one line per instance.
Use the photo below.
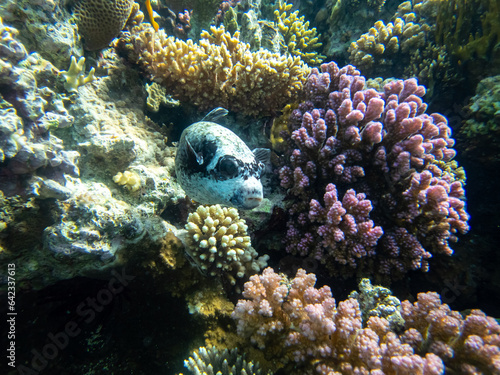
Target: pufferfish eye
(227, 167)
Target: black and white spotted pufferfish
(214, 166)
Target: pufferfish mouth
(251, 202)
(255, 200)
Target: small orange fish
(151, 18)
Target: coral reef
(220, 71)
(100, 21)
(443, 43)
(30, 112)
(183, 25)
(300, 324)
(470, 30)
(209, 302)
(274, 27)
(104, 131)
(480, 132)
(466, 345)
(254, 27)
(46, 27)
(369, 187)
(93, 222)
(75, 75)
(405, 48)
(341, 22)
(279, 126)
(359, 158)
(115, 136)
(203, 14)
(218, 242)
(211, 361)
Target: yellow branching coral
(379, 45)
(279, 125)
(469, 29)
(130, 180)
(75, 75)
(218, 242)
(299, 39)
(220, 71)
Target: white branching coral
(218, 242)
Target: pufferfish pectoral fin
(215, 114)
(263, 157)
(197, 155)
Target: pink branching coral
(309, 331)
(466, 346)
(370, 177)
(183, 24)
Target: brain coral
(99, 21)
(218, 242)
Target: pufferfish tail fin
(215, 114)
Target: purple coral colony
(369, 175)
(363, 258)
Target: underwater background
(374, 250)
